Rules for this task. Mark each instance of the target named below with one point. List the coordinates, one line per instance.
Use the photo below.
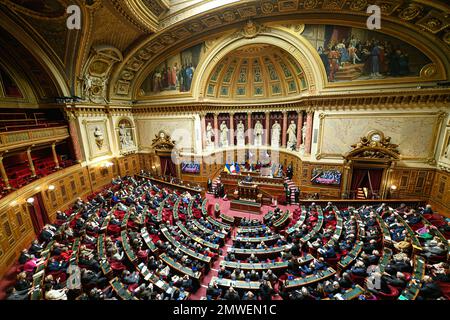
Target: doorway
(38, 214)
(366, 183)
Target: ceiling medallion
(229, 16)
(410, 12)
(310, 4)
(266, 7)
(358, 5)
(251, 29)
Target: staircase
(292, 187)
(214, 184)
(360, 194)
(349, 71)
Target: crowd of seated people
(131, 228)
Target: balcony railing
(16, 139)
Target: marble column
(231, 143)
(309, 129)
(284, 131)
(299, 129)
(216, 130)
(249, 128)
(203, 129)
(30, 163)
(267, 141)
(74, 137)
(4, 175)
(55, 156)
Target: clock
(376, 137)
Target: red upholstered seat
(392, 295)
(357, 279)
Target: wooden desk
(213, 246)
(218, 224)
(237, 284)
(178, 267)
(245, 206)
(274, 266)
(188, 251)
(121, 291)
(319, 276)
(227, 219)
(266, 239)
(280, 222)
(412, 290)
(350, 294)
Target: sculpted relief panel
(414, 134)
(180, 129)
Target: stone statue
(304, 134)
(240, 134)
(276, 132)
(122, 136)
(292, 136)
(224, 134)
(98, 135)
(209, 135)
(87, 85)
(125, 137)
(258, 133)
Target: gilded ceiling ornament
(251, 29)
(434, 21)
(310, 4)
(196, 27)
(127, 75)
(374, 146)
(358, 5)
(247, 12)
(266, 7)
(446, 38)
(387, 7)
(144, 54)
(410, 12)
(229, 16)
(167, 39)
(428, 71)
(333, 4)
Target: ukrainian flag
(227, 168)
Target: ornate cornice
(343, 101)
(425, 18)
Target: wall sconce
(51, 187)
(393, 187)
(30, 201)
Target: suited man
(430, 289)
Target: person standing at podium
(248, 178)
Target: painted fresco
(357, 54)
(175, 74)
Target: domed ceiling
(256, 71)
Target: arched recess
(24, 85)
(301, 51)
(298, 47)
(46, 61)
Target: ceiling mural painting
(351, 54)
(256, 71)
(175, 74)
